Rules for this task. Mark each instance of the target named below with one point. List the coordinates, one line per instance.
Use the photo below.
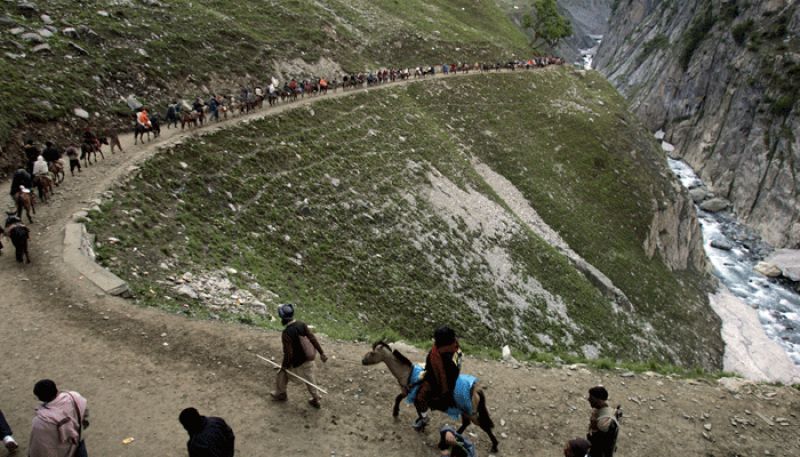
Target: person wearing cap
(208, 436)
(298, 355)
(603, 424)
(438, 382)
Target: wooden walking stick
(296, 376)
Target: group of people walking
(59, 422)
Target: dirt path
(139, 367)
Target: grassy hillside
(367, 210)
(159, 50)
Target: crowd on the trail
(45, 167)
(60, 420)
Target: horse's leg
(484, 419)
(100, 150)
(396, 408)
(465, 421)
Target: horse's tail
(484, 420)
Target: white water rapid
(761, 316)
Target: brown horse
(56, 168)
(45, 186)
(91, 148)
(194, 118)
(402, 369)
(26, 201)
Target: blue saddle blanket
(462, 394)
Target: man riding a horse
(143, 119)
(438, 382)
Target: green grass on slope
(158, 53)
(593, 174)
(331, 213)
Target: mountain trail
(138, 367)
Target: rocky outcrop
(675, 234)
(722, 79)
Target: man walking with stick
(300, 347)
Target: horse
(191, 117)
(56, 168)
(139, 130)
(45, 186)
(402, 369)
(26, 201)
(19, 235)
(91, 148)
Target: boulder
(70, 32)
(721, 243)
(5, 20)
(715, 205)
(81, 113)
(16, 30)
(659, 135)
(44, 33)
(33, 37)
(39, 48)
(787, 261)
(46, 19)
(27, 8)
(698, 194)
(133, 103)
(187, 291)
(767, 269)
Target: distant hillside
(390, 212)
(60, 55)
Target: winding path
(140, 366)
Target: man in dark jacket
(298, 356)
(31, 154)
(21, 178)
(51, 152)
(603, 423)
(442, 367)
(208, 436)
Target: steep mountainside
(589, 18)
(723, 80)
(443, 201)
(59, 55)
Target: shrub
(740, 31)
(660, 41)
(784, 104)
(695, 35)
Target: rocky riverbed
(734, 251)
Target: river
(776, 304)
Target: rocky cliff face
(723, 80)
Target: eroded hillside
(385, 213)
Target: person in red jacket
(442, 368)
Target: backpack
(308, 349)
